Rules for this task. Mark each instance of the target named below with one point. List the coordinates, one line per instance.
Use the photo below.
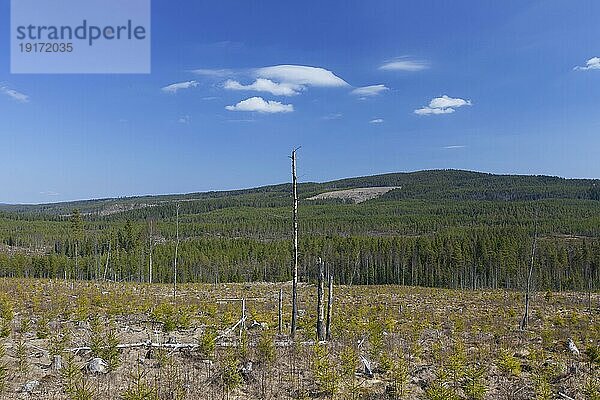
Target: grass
(422, 343)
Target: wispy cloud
(184, 119)
(258, 104)
(49, 193)
(175, 87)
(404, 64)
(592, 63)
(15, 95)
(376, 121)
(331, 117)
(370, 91)
(454, 147)
(266, 85)
(301, 75)
(433, 111)
(214, 73)
(442, 105)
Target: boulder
(97, 366)
(30, 386)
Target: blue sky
(370, 87)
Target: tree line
(483, 258)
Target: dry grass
(437, 335)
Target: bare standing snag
(295, 255)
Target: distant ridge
(427, 184)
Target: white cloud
(442, 105)
(454, 147)
(376, 121)
(266, 85)
(214, 73)
(175, 87)
(184, 119)
(404, 64)
(592, 63)
(445, 102)
(261, 105)
(301, 75)
(369, 91)
(430, 111)
(18, 96)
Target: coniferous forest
(443, 228)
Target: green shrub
(266, 348)
(6, 315)
(508, 364)
(104, 342)
(138, 388)
(591, 390)
(21, 355)
(231, 378)
(57, 343)
(172, 317)
(207, 343)
(438, 390)
(593, 353)
(42, 331)
(473, 385)
(3, 369)
(543, 390)
(326, 376)
(398, 374)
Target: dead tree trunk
(280, 309)
(76, 259)
(295, 250)
(243, 319)
(329, 305)
(151, 245)
(176, 251)
(107, 261)
(320, 293)
(525, 320)
(589, 288)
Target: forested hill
(444, 228)
(431, 184)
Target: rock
(574, 350)
(30, 386)
(246, 370)
(56, 364)
(97, 366)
